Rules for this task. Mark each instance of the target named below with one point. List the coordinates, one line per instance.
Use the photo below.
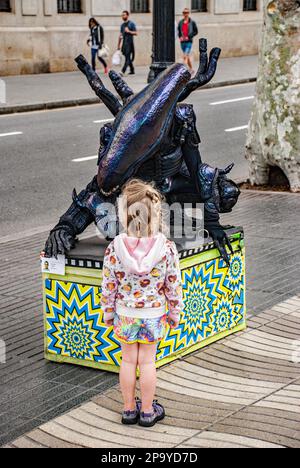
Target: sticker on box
(53, 265)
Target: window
(139, 6)
(250, 5)
(69, 6)
(199, 5)
(5, 5)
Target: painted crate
(214, 306)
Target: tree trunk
(274, 132)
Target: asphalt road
(44, 155)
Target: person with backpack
(96, 41)
(187, 30)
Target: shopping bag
(104, 51)
(117, 58)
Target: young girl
(141, 275)
(96, 41)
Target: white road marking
(236, 129)
(103, 121)
(218, 103)
(87, 158)
(10, 134)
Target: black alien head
(140, 127)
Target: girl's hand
(172, 323)
(109, 323)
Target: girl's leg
(101, 60)
(146, 362)
(94, 53)
(128, 374)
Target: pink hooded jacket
(141, 276)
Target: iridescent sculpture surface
(153, 137)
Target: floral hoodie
(140, 277)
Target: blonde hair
(140, 208)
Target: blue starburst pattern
(236, 273)
(213, 303)
(226, 315)
(74, 323)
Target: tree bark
(274, 131)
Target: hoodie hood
(140, 255)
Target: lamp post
(163, 48)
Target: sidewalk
(34, 391)
(242, 392)
(54, 90)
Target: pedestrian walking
(126, 39)
(187, 30)
(141, 275)
(96, 41)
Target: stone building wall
(34, 38)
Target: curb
(94, 100)
(222, 84)
(47, 105)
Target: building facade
(40, 36)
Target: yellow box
(214, 299)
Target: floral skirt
(139, 330)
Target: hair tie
(154, 198)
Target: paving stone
(202, 391)
(198, 406)
(256, 433)
(244, 366)
(72, 436)
(219, 379)
(220, 440)
(14, 430)
(26, 442)
(255, 342)
(97, 415)
(38, 437)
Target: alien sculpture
(153, 137)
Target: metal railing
(5, 5)
(69, 6)
(250, 5)
(139, 6)
(199, 5)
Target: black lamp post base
(156, 68)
